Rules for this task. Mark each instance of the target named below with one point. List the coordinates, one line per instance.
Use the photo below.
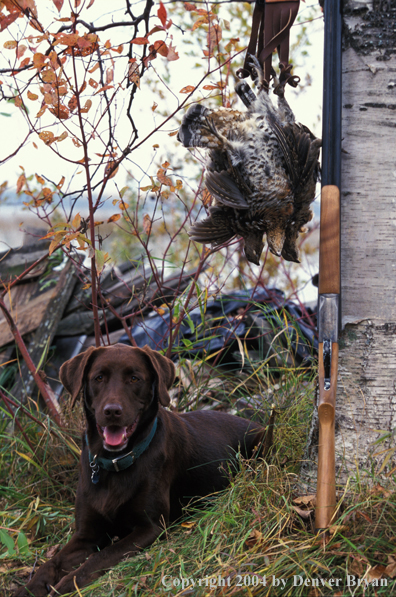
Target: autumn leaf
(48, 76)
(375, 573)
(72, 103)
(111, 169)
(305, 514)
(214, 36)
(114, 218)
(390, 570)
(140, 41)
(10, 45)
(93, 83)
(109, 75)
(38, 60)
(187, 89)
(20, 51)
(58, 4)
(309, 501)
(161, 47)
(104, 89)
(189, 6)
(100, 257)
(32, 96)
(20, 183)
(254, 538)
(161, 13)
(86, 107)
(163, 178)
(47, 136)
(60, 112)
(76, 221)
(133, 73)
(147, 224)
(60, 183)
(187, 524)
(172, 54)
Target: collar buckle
(116, 460)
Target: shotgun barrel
(329, 265)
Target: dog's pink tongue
(113, 435)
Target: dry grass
(255, 538)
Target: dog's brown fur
(188, 456)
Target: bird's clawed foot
(285, 77)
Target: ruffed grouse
(262, 171)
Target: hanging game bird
(262, 170)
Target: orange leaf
(60, 184)
(47, 136)
(20, 183)
(187, 89)
(76, 221)
(104, 89)
(140, 41)
(189, 6)
(114, 218)
(72, 103)
(32, 96)
(86, 107)
(52, 246)
(38, 60)
(147, 224)
(10, 45)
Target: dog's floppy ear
(165, 371)
(72, 372)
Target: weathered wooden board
(55, 304)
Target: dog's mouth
(115, 437)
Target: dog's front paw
(69, 583)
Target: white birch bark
(366, 396)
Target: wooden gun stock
(329, 290)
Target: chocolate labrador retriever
(139, 464)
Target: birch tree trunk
(366, 396)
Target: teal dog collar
(122, 462)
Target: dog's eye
(99, 378)
(134, 379)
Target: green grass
(247, 536)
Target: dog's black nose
(112, 410)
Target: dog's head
(122, 387)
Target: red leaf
(162, 14)
(58, 4)
(161, 48)
(140, 41)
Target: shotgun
(329, 265)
